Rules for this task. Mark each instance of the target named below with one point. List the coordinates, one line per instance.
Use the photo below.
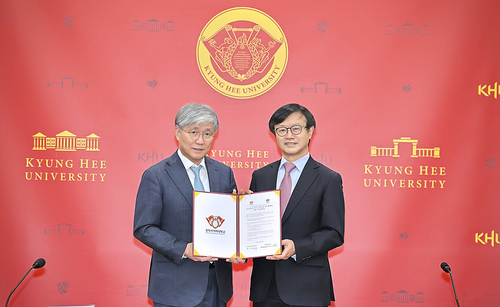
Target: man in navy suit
(312, 222)
(164, 212)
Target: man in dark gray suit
(164, 212)
(312, 221)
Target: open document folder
(228, 225)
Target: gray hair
(195, 113)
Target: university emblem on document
(242, 53)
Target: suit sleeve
(330, 233)
(147, 220)
(232, 182)
(252, 183)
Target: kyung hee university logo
(242, 53)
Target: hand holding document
(230, 226)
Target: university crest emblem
(242, 53)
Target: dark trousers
(273, 297)
(211, 298)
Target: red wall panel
(421, 74)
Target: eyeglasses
(207, 136)
(295, 130)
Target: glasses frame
(194, 135)
(291, 131)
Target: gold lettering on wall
(245, 159)
(65, 170)
(62, 170)
(404, 176)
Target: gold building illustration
(415, 153)
(66, 141)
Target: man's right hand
(189, 254)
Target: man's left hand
(287, 252)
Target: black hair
(282, 113)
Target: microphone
(445, 267)
(40, 262)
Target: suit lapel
(306, 179)
(177, 172)
(270, 181)
(213, 176)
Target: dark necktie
(286, 186)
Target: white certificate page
(214, 225)
(260, 224)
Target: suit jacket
(163, 220)
(314, 221)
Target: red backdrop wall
(405, 94)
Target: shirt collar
(299, 163)
(188, 163)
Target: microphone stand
(453, 284)
(7, 302)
